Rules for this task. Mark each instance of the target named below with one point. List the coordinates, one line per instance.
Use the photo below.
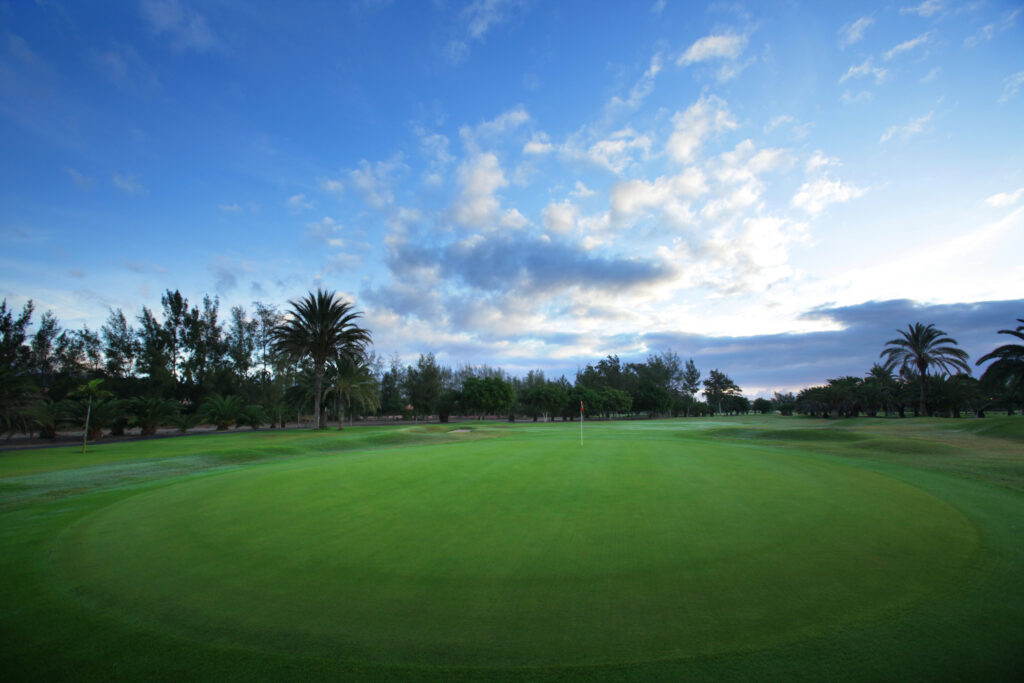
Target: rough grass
(753, 548)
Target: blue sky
(771, 188)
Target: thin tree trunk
(88, 414)
(318, 375)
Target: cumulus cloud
(375, 182)
(479, 177)
(560, 218)
(542, 266)
(854, 32)
(815, 195)
(331, 185)
(298, 202)
(617, 151)
(819, 161)
(186, 28)
(1005, 198)
(909, 129)
(538, 145)
(668, 196)
(709, 115)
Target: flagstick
(581, 423)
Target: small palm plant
(46, 416)
(922, 347)
(222, 411)
(253, 415)
(152, 412)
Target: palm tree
(151, 412)
(90, 390)
(921, 347)
(1008, 369)
(351, 380)
(320, 326)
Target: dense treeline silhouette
(312, 364)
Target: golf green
(525, 550)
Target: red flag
(581, 406)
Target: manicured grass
(737, 549)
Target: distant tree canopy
(185, 363)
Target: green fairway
(704, 548)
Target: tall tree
(717, 387)
(42, 359)
(14, 352)
(119, 345)
(691, 378)
(241, 342)
(922, 347)
(423, 384)
(320, 326)
(175, 327)
(1007, 372)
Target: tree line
(921, 371)
(313, 363)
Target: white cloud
(538, 145)
(298, 202)
(667, 195)
(187, 28)
(907, 45)
(230, 208)
(1011, 85)
(582, 190)
(863, 69)
(818, 161)
(815, 195)
(745, 162)
(989, 31)
(375, 181)
(82, 181)
(480, 178)
(911, 128)
(925, 9)
(643, 87)
(723, 46)
(850, 97)
(129, 184)
(854, 32)
(560, 218)
(493, 130)
(514, 220)
(710, 114)
(658, 7)
(617, 151)
(1005, 198)
(931, 75)
(331, 185)
(476, 20)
